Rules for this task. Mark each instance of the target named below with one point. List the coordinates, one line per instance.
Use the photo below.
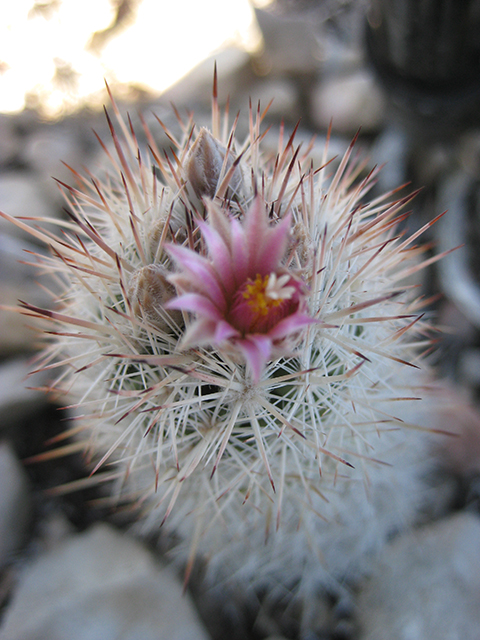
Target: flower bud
(148, 292)
(204, 163)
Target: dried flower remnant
(245, 362)
(149, 292)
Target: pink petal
(240, 253)
(195, 303)
(224, 331)
(266, 242)
(220, 221)
(208, 332)
(290, 324)
(201, 273)
(274, 246)
(256, 349)
(220, 255)
(256, 223)
(201, 332)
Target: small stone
(469, 367)
(459, 453)
(100, 584)
(391, 151)
(22, 194)
(350, 102)
(14, 504)
(18, 281)
(278, 92)
(48, 151)
(18, 396)
(457, 271)
(47, 147)
(426, 585)
(290, 42)
(11, 144)
(195, 89)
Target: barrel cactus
(239, 339)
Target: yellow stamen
(263, 294)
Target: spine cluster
(235, 337)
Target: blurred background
(406, 73)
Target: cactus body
(235, 336)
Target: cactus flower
(242, 295)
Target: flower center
(267, 292)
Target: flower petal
(199, 333)
(274, 246)
(291, 324)
(220, 256)
(240, 292)
(195, 303)
(224, 331)
(257, 349)
(255, 228)
(201, 273)
(240, 253)
(266, 242)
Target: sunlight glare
(47, 59)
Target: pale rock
(16, 336)
(53, 530)
(18, 394)
(14, 504)
(282, 94)
(18, 281)
(457, 278)
(22, 194)
(195, 89)
(469, 367)
(350, 101)
(48, 150)
(426, 585)
(459, 453)
(391, 151)
(10, 143)
(290, 39)
(100, 584)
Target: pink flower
(241, 294)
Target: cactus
(235, 338)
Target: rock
(351, 101)
(460, 453)
(18, 281)
(469, 367)
(10, 141)
(14, 504)
(45, 152)
(284, 94)
(52, 530)
(391, 151)
(426, 585)
(458, 271)
(18, 398)
(290, 41)
(100, 584)
(22, 194)
(195, 88)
